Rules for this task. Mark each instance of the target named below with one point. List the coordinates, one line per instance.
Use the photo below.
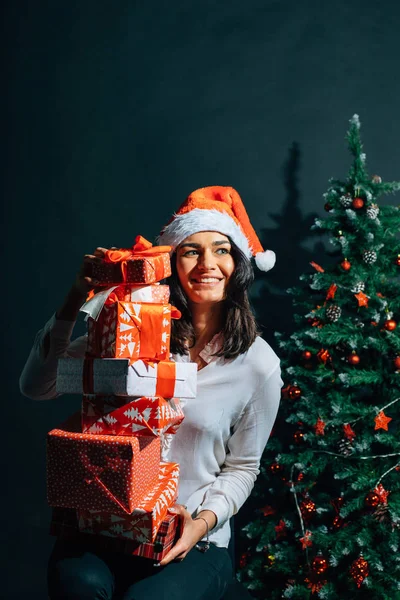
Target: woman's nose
(206, 261)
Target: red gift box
(143, 524)
(155, 294)
(132, 330)
(142, 264)
(64, 525)
(113, 415)
(107, 472)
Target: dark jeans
(78, 572)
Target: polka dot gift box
(111, 473)
(143, 524)
(143, 263)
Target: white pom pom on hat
(217, 208)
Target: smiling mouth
(207, 280)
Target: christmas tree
(328, 522)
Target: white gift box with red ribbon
(116, 376)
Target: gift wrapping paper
(64, 525)
(116, 376)
(155, 294)
(119, 415)
(110, 473)
(132, 330)
(144, 522)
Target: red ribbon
(166, 377)
(94, 471)
(141, 249)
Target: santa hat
(217, 208)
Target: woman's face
(204, 264)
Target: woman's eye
(222, 251)
(190, 253)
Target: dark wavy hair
(239, 329)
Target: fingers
(178, 552)
(179, 509)
(100, 251)
(182, 546)
(91, 258)
(91, 282)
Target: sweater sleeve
(244, 450)
(38, 377)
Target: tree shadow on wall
(272, 304)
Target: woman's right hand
(81, 287)
(84, 283)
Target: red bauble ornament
(396, 363)
(298, 437)
(328, 207)
(390, 325)
(294, 392)
(359, 570)
(291, 392)
(346, 265)
(358, 203)
(275, 468)
(319, 565)
(353, 359)
(397, 260)
(306, 355)
(372, 500)
(308, 509)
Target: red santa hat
(217, 208)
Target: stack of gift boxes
(108, 464)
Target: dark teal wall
(115, 111)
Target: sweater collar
(213, 346)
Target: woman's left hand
(193, 531)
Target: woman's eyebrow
(219, 242)
(190, 245)
(195, 245)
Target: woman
(223, 435)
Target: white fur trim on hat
(198, 220)
(265, 260)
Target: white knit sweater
(225, 430)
